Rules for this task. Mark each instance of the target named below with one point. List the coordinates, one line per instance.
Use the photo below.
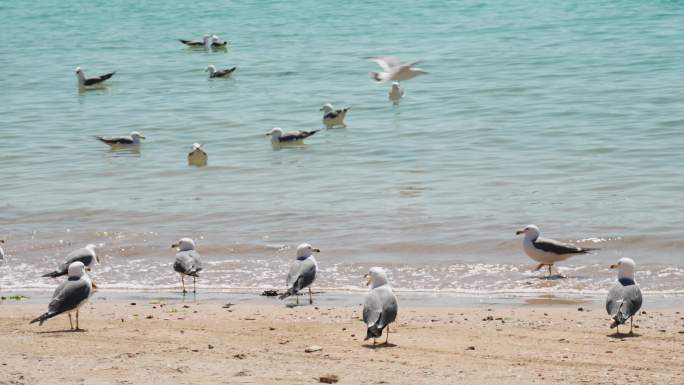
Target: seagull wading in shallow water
(395, 93)
(332, 117)
(132, 140)
(393, 69)
(89, 82)
(624, 298)
(187, 262)
(279, 137)
(86, 255)
(380, 308)
(70, 295)
(547, 251)
(302, 273)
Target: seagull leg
(617, 329)
(373, 341)
(387, 336)
(183, 283)
(539, 267)
(310, 298)
(550, 271)
(631, 324)
(77, 320)
(71, 325)
(194, 284)
(297, 298)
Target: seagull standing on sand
(332, 117)
(547, 251)
(84, 82)
(187, 262)
(133, 139)
(393, 69)
(624, 298)
(197, 44)
(302, 273)
(70, 295)
(279, 137)
(380, 308)
(86, 255)
(197, 157)
(395, 93)
(214, 73)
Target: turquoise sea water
(565, 114)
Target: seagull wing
(387, 63)
(624, 300)
(188, 263)
(301, 275)
(98, 79)
(553, 246)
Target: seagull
(302, 272)
(2, 252)
(70, 295)
(332, 117)
(86, 255)
(624, 298)
(197, 157)
(214, 73)
(380, 308)
(393, 69)
(197, 44)
(89, 82)
(279, 137)
(187, 262)
(547, 251)
(216, 42)
(396, 93)
(133, 139)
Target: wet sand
(264, 342)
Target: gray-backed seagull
(547, 251)
(187, 262)
(302, 272)
(624, 298)
(380, 308)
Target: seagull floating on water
(395, 93)
(279, 137)
(84, 82)
(133, 139)
(333, 117)
(214, 73)
(197, 44)
(216, 42)
(187, 262)
(380, 308)
(624, 298)
(86, 255)
(302, 272)
(547, 251)
(70, 295)
(197, 156)
(393, 69)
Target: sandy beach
(173, 342)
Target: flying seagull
(393, 69)
(214, 73)
(380, 308)
(396, 93)
(2, 252)
(197, 44)
(86, 255)
(133, 139)
(624, 298)
(89, 82)
(197, 156)
(333, 117)
(187, 262)
(278, 136)
(302, 272)
(547, 251)
(70, 295)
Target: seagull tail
(54, 274)
(373, 332)
(107, 76)
(588, 249)
(42, 318)
(619, 318)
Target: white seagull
(333, 117)
(70, 295)
(396, 93)
(84, 82)
(302, 272)
(547, 251)
(279, 137)
(187, 262)
(197, 44)
(380, 308)
(135, 138)
(214, 73)
(216, 42)
(197, 156)
(624, 298)
(393, 69)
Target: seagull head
(76, 270)
(327, 107)
(78, 70)
(395, 86)
(210, 68)
(530, 231)
(136, 136)
(305, 250)
(92, 248)
(184, 244)
(376, 277)
(625, 268)
(196, 146)
(275, 132)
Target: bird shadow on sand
(553, 277)
(379, 346)
(63, 331)
(624, 335)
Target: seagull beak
(142, 137)
(268, 134)
(520, 232)
(88, 269)
(174, 245)
(613, 266)
(316, 250)
(367, 277)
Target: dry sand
(256, 343)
